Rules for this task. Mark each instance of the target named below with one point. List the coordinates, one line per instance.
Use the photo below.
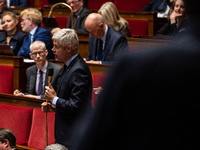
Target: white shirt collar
(44, 69)
(103, 38)
(33, 31)
(70, 60)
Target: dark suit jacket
(115, 46)
(153, 6)
(41, 34)
(79, 26)
(150, 101)
(74, 92)
(19, 3)
(15, 42)
(172, 29)
(31, 74)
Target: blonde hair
(111, 15)
(11, 14)
(33, 14)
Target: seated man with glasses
(37, 75)
(80, 14)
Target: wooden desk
(20, 101)
(148, 42)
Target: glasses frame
(39, 53)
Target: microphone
(50, 74)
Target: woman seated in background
(178, 19)
(11, 35)
(112, 18)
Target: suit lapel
(33, 80)
(106, 44)
(65, 73)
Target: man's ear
(30, 55)
(46, 52)
(69, 47)
(6, 143)
(101, 25)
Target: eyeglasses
(73, 2)
(39, 53)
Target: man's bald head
(95, 25)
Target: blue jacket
(154, 5)
(41, 34)
(19, 3)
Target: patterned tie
(100, 49)
(40, 85)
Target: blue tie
(40, 85)
(29, 36)
(99, 50)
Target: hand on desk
(93, 62)
(17, 93)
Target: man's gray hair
(67, 37)
(39, 43)
(56, 147)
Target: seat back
(44, 3)
(96, 4)
(37, 138)
(18, 119)
(6, 76)
(62, 21)
(138, 27)
(31, 3)
(130, 5)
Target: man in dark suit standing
(80, 13)
(73, 94)
(151, 98)
(105, 43)
(31, 19)
(38, 53)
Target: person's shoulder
(42, 31)
(115, 34)
(86, 10)
(3, 34)
(18, 32)
(54, 65)
(31, 68)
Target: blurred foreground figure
(56, 147)
(7, 139)
(151, 99)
